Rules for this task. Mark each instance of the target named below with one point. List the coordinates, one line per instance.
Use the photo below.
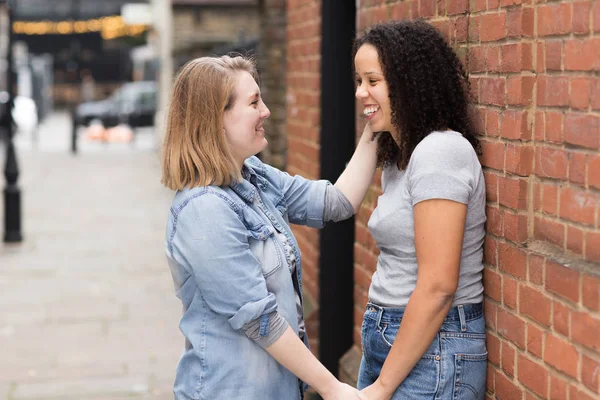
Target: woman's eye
(372, 82)
(358, 82)
(255, 102)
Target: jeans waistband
(389, 314)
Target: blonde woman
(234, 260)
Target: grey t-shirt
(442, 166)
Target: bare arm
(439, 230)
(290, 352)
(357, 176)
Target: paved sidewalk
(87, 308)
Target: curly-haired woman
(423, 331)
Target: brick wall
(303, 92)
(534, 69)
(272, 57)
(534, 72)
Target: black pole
(73, 130)
(336, 263)
(12, 193)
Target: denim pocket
(266, 249)
(469, 376)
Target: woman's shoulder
(208, 200)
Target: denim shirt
(229, 268)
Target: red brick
(561, 355)
(506, 388)
(562, 281)
(519, 159)
(582, 54)
(492, 123)
(533, 376)
(509, 291)
(492, 91)
(492, 283)
(577, 163)
(474, 27)
(515, 57)
(576, 394)
(582, 130)
(534, 304)
(491, 186)
(493, 348)
(590, 292)
(575, 240)
(489, 251)
(554, 19)
(520, 90)
(491, 314)
(456, 7)
(592, 246)
(595, 93)
(507, 355)
(513, 193)
(515, 125)
(549, 231)
(580, 92)
(495, 221)
(561, 319)
(490, 380)
(596, 16)
(520, 22)
(512, 328)
(512, 260)
(590, 373)
(585, 329)
(493, 154)
(540, 125)
(535, 340)
(554, 53)
(554, 126)
(515, 227)
(495, 27)
(558, 388)
(581, 17)
(578, 205)
(551, 163)
(594, 171)
(493, 59)
(550, 198)
(536, 269)
(426, 8)
(553, 90)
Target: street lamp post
(12, 193)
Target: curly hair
(428, 87)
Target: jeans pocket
(388, 335)
(469, 376)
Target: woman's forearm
(424, 314)
(358, 175)
(290, 352)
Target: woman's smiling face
(243, 121)
(372, 89)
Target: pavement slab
(88, 309)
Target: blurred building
(211, 27)
(85, 39)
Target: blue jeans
(453, 367)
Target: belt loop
(379, 314)
(461, 316)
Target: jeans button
(437, 358)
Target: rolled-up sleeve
(305, 198)
(212, 242)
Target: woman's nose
(360, 92)
(265, 112)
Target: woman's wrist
(327, 386)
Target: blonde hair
(195, 151)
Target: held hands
(375, 392)
(341, 391)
